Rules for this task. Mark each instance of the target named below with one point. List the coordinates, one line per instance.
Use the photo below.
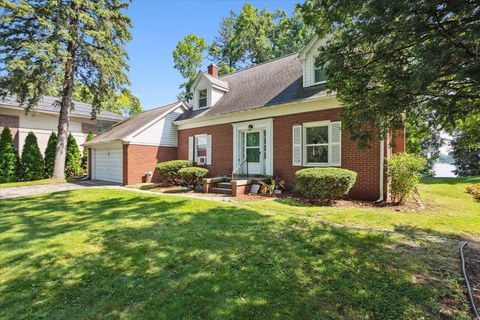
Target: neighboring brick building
(268, 120)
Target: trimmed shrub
(8, 157)
(72, 159)
(169, 170)
(324, 184)
(474, 190)
(33, 165)
(404, 170)
(84, 161)
(191, 176)
(50, 154)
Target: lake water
(444, 170)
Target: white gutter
(382, 159)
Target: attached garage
(107, 164)
(128, 152)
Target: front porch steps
(229, 186)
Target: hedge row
(31, 165)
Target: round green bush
(324, 184)
(169, 170)
(405, 171)
(191, 176)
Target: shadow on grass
(172, 258)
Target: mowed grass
(450, 211)
(114, 254)
(30, 183)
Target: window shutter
(297, 145)
(335, 143)
(190, 148)
(209, 149)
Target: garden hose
(469, 288)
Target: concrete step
(225, 185)
(222, 190)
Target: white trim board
(302, 106)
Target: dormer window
(319, 72)
(320, 76)
(202, 98)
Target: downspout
(382, 159)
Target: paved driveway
(15, 192)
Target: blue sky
(157, 27)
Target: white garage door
(108, 165)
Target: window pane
(201, 152)
(202, 102)
(253, 139)
(317, 154)
(317, 135)
(253, 155)
(320, 75)
(203, 94)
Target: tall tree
(50, 154)
(80, 42)
(424, 139)
(8, 157)
(73, 166)
(465, 145)
(188, 57)
(33, 165)
(387, 58)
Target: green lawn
(30, 183)
(450, 211)
(103, 253)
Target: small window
(201, 149)
(320, 75)
(316, 145)
(202, 98)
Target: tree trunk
(66, 105)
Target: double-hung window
(316, 144)
(202, 98)
(201, 149)
(319, 75)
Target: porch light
(250, 126)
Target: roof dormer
(313, 72)
(208, 88)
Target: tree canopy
(73, 42)
(246, 38)
(386, 59)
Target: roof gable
(123, 131)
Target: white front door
(254, 146)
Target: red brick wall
(138, 159)
(366, 162)
(222, 147)
(86, 127)
(13, 122)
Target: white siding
(308, 71)
(42, 125)
(161, 132)
(108, 164)
(216, 95)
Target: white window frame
(198, 98)
(196, 158)
(305, 145)
(315, 68)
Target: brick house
(271, 119)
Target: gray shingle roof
(128, 126)
(271, 83)
(80, 109)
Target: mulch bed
(472, 266)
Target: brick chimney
(213, 70)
